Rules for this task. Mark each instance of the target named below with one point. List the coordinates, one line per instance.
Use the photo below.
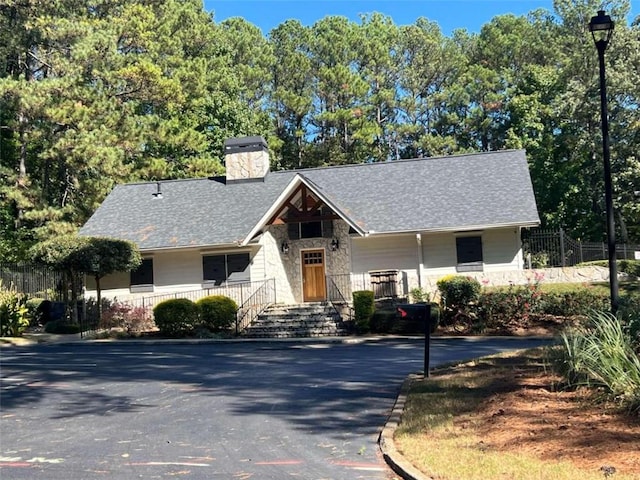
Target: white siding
(177, 270)
(439, 253)
(399, 252)
(501, 250)
(173, 271)
(257, 268)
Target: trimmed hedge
(364, 306)
(581, 301)
(61, 327)
(176, 317)
(217, 312)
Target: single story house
(315, 232)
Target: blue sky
(449, 14)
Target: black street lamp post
(601, 28)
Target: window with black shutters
(310, 229)
(317, 229)
(238, 268)
(214, 268)
(143, 275)
(226, 268)
(469, 252)
(313, 228)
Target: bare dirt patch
(531, 413)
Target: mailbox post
(421, 312)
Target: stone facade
(286, 267)
(246, 165)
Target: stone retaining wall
(587, 274)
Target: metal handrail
(256, 304)
(335, 296)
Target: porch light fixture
(335, 244)
(601, 28)
(284, 248)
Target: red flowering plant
(129, 318)
(504, 308)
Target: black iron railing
(33, 280)
(338, 299)
(556, 248)
(261, 298)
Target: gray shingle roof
(461, 192)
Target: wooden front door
(313, 280)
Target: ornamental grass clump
(601, 354)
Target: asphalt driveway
(260, 410)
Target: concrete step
(306, 320)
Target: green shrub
(601, 354)
(630, 267)
(434, 313)
(457, 295)
(176, 317)
(629, 314)
(580, 301)
(364, 306)
(217, 312)
(34, 312)
(497, 308)
(61, 327)
(382, 320)
(14, 314)
(419, 295)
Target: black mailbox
(414, 311)
(420, 312)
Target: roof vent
(158, 193)
(246, 158)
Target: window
(141, 278)
(312, 229)
(469, 251)
(226, 268)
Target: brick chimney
(246, 158)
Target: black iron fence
(33, 280)
(137, 313)
(556, 248)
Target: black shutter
(143, 275)
(469, 252)
(213, 269)
(327, 225)
(294, 231)
(238, 268)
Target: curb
(44, 338)
(390, 453)
(41, 338)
